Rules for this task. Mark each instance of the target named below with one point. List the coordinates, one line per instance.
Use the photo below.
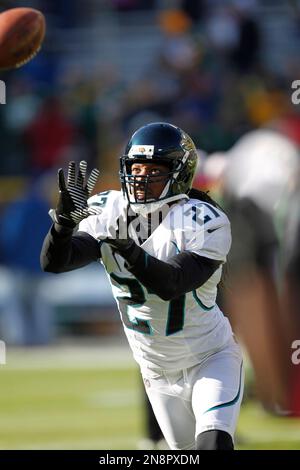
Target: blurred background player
(255, 180)
(290, 293)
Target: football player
(163, 245)
(261, 171)
(291, 296)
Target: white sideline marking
(70, 357)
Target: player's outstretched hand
(72, 204)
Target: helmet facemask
(131, 184)
(160, 144)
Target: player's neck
(150, 222)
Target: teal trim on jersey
(100, 242)
(194, 292)
(200, 303)
(146, 259)
(177, 249)
(231, 402)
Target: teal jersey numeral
(175, 315)
(102, 200)
(136, 298)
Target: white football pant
(203, 397)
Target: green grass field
(90, 398)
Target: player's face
(156, 183)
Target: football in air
(22, 31)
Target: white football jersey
(166, 335)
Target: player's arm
(62, 251)
(169, 279)
(182, 273)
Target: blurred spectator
(23, 104)
(132, 5)
(246, 53)
(67, 13)
(265, 99)
(24, 320)
(195, 9)
(222, 30)
(49, 135)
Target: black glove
(72, 204)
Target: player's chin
(141, 196)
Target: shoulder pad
(200, 214)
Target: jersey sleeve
(210, 234)
(87, 226)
